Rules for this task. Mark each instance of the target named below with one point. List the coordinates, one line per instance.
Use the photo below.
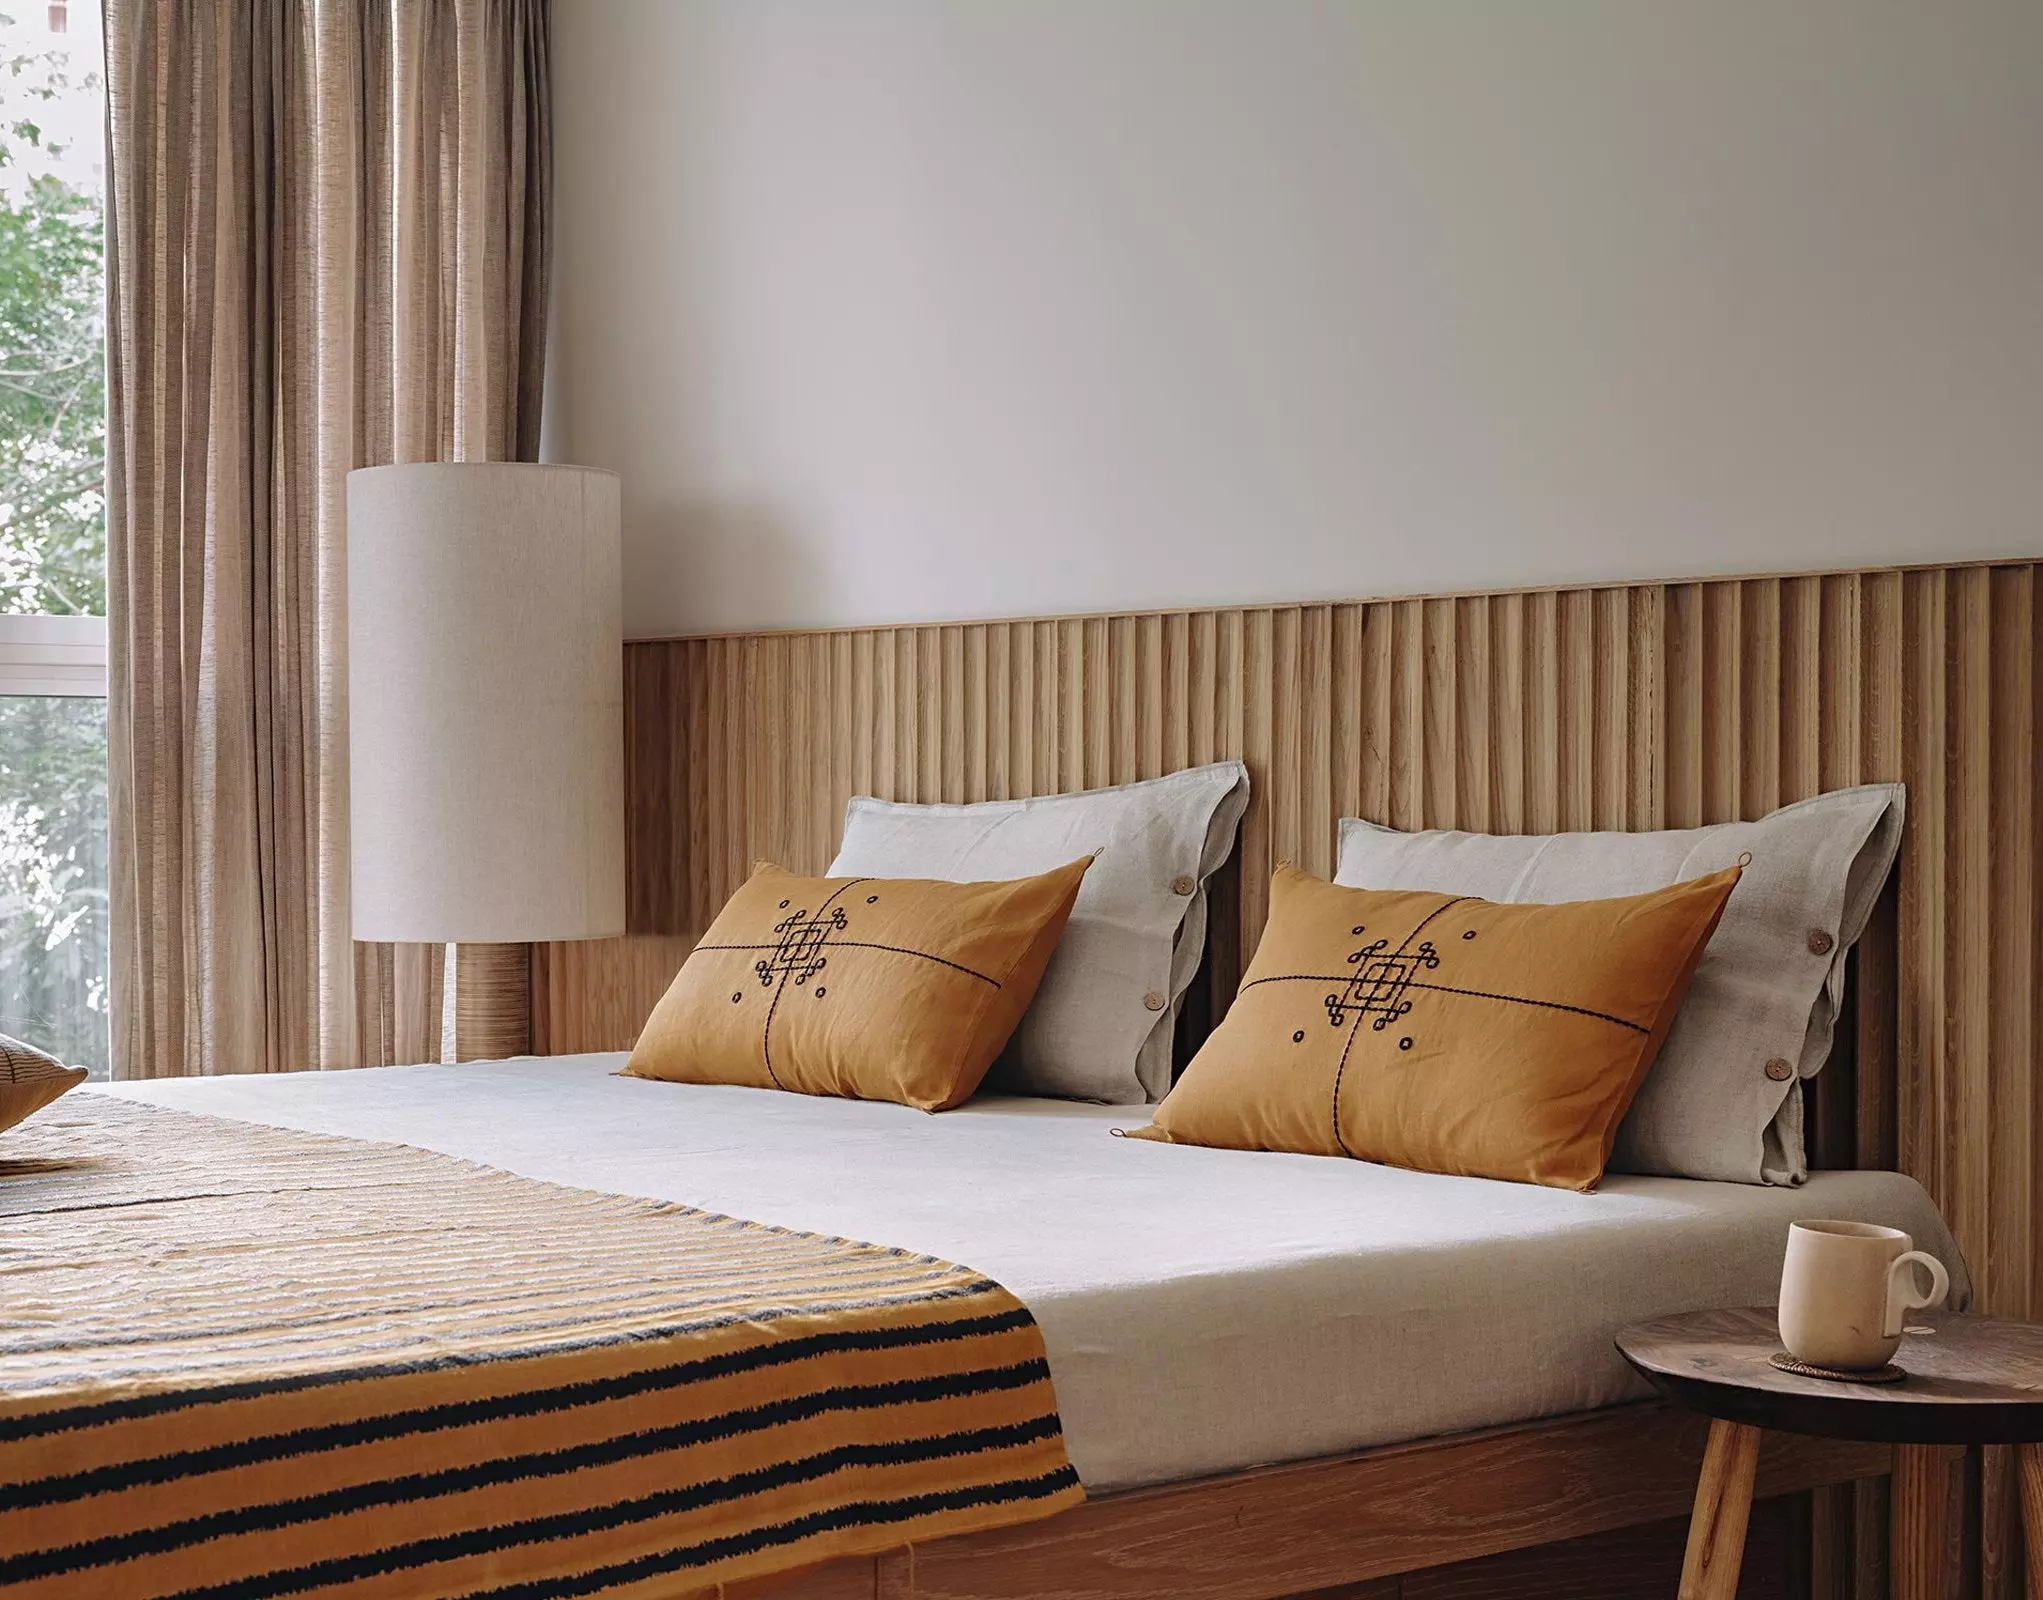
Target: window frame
(53, 655)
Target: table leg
(2030, 1471)
(1723, 1505)
(1928, 1514)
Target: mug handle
(1901, 1284)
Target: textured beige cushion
(1104, 1014)
(30, 1079)
(1722, 1100)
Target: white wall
(911, 309)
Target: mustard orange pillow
(869, 988)
(1445, 1033)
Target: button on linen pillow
(867, 988)
(30, 1079)
(1444, 1033)
(1102, 1023)
(1723, 1100)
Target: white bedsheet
(1204, 1310)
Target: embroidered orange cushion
(1445, 1034)
(869, 988)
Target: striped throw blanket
(237, 1361)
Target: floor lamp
(486, 722)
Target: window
(53, 778)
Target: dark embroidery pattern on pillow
(1377, 988)
(803, 943)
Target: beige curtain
(326, 248)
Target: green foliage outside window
(53, 875)
(52, 363)
(53, 781)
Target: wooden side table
(1971, 1380)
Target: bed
(1204, 1311)
(1254, 1326)
(1636, 706)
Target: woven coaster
(1803, 1369)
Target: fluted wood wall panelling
(1632, 706)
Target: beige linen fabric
(1723, 1100)
(1203, 1310)
(326, 248)
(1103, 1018)
(30, 1079)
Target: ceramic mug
(1845, 1289)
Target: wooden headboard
(1634, 706)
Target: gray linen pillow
(1722, 1100)
(1100, 1026)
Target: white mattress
(1204, 1310)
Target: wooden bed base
(1312, 1526)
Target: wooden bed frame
(1352, 1520)
(1634, 706)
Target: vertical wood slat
(1649, 705)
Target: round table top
(1971, 1380)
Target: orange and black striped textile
(237, 1361)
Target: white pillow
(1722, 1100)
(1100, 1026)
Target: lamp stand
(492, 1001)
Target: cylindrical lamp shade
(485, 702)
